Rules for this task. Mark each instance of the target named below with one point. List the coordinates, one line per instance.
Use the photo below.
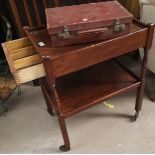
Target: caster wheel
(50, 112)
(64, 148)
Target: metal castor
(50, 112)
(64, 148)
(136, 116)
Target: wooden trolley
(81, 76)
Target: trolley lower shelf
(88, 87)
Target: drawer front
(97, 53)
(29, 74)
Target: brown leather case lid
(86, 16)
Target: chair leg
(66, 146)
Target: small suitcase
(87, 22)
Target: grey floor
(28, 128)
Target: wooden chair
(32, 14)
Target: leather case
(87, 23)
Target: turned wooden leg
(139, 98)
(66, 146)
(47, 99)
(140, 91)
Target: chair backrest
(31, 12)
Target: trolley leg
(66, 146)
(139, 99)
(140, 90)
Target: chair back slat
(45, 3)
(17, 19)
(36, 10)
(27, 11)
(56, 3)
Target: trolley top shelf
(69, 59)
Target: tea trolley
(82, 76)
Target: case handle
(95, 30)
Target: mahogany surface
(84, 55)
(96, 84)
(42, 35)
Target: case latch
(65, 34)
(118, 26)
